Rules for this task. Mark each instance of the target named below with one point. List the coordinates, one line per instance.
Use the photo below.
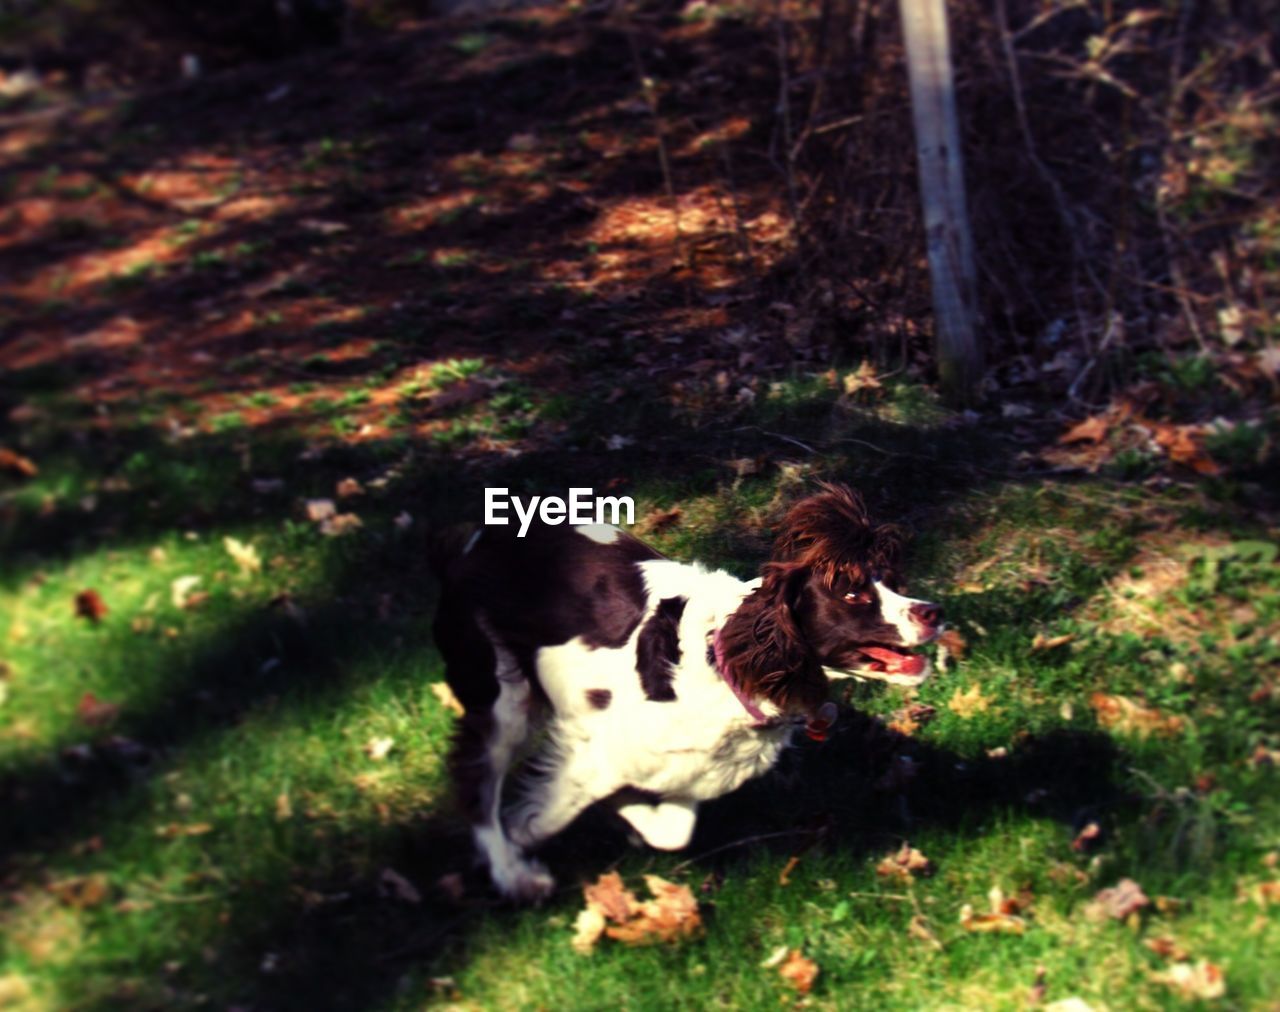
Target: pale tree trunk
(946, 216)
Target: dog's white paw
(523, 880)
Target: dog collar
(816, 728)
(716, 656)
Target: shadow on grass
(863, 789)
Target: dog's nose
(926, 613)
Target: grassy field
(263, 334)
(229, 792)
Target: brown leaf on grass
(284, 807)
(82, 891)
(176, 829)
(919, 929)
(1166, 948)
(904, 864)
(1119, 713)
(245, 556)
(994, 923)
(340, 525)
(1264, 894)
(89, 604)
(1118, 902)
(609, 896)
(1091, 430)
(955, 643)
(966, 705)
(447, 699)
(1087, 839)
(1184, 444)
(799, 971)
(1043, 642)
(1202, 981)
(659, 520)
(784, 878)
(862, 380)
(16, 463)
(95, 712)
(911, 718)
(182, 590)
(587, 930)
(671, 915)
(348, 487)
(319, 510)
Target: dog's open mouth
(887, 664)
(891, 661)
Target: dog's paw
(524, 880)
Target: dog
(662, 684)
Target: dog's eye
(858, 597)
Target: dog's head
(828, 598)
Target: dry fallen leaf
(182, 590)
(340, 524)
(89, 604)
(968, 704)
(919, 929)
(1119, 901)
(319, 510)
(348, 487)
(1087, 839)
(96, 712)
(671, 915)
(1119, 713)
(784, 878)
(1203, 981)
(246, 556)
(904, 864)
(1166, 948)
(799, 971)
(659, 520)
(1043, 642)
(1091, 430)
(377, 748)
(176, 829)
(446, 697)
(17, 464)
(863, 379)
(1184, 445)
(996, 923)
(587, 929)
(284, 809)
(953, 642)
(911, 718)
(82, 891)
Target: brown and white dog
(663, 684)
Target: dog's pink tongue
(896, 663)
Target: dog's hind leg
(484, 745)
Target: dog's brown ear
(765, 652)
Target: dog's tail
(446, 545)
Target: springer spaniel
(664, 684)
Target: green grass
(225, 837)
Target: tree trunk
(946, 216)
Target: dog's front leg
(555, 801)
(667, 825)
